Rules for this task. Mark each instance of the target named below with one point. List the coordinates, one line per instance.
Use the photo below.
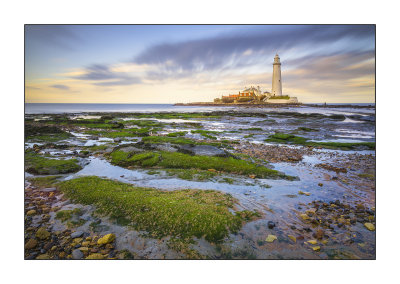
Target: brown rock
(42, 233)
(30, 244)
(319, 234)
(31, 212)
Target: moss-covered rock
(42, 233)
(106, 239)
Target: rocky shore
(215, 185)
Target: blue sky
(167, 64)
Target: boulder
(165, 147)
(77, 254)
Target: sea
(45, 108)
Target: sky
(194, 63)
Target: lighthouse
(276, 77)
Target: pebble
(369, 226)
(271, 238)
(293, 238)
(270, 224)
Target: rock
(31, 212)
(47, 246)
(203, 150)
(77, 234)
(129, 149)
(316, 248)
(320, 184)
(369, 226)
(30, 244)
(84, 249)
(319, 234)
(42, 233)
(77, 254)
(293, 238)
(311, 211)
(76, 241)
(271, 238)
(50, 189)
(165, 147)
(304, 217)
(43, 256)
(85, 244)
(95, 256)
(117, 139)
(313, 242)
(106, 239)
(270, 225)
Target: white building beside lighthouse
(276, 77)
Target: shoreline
(269, 105)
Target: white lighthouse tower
(276, 77)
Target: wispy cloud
(61, 87)
(102, 75)
(243, 49)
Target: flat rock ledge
(194, 150)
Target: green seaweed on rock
(181, 213)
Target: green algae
(206, 133)
(176, 134)
(292, 139)
(181, 213)
(37, 164)
(176, 160)
(131, 132)
(44, 181)
(192, 174)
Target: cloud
(246, 48)
(337, 67)
(102, 75)
(52, 35)
(61, 87)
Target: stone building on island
(255, 95)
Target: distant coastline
(269, 105)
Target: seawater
(150, 108)
(84, 108)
